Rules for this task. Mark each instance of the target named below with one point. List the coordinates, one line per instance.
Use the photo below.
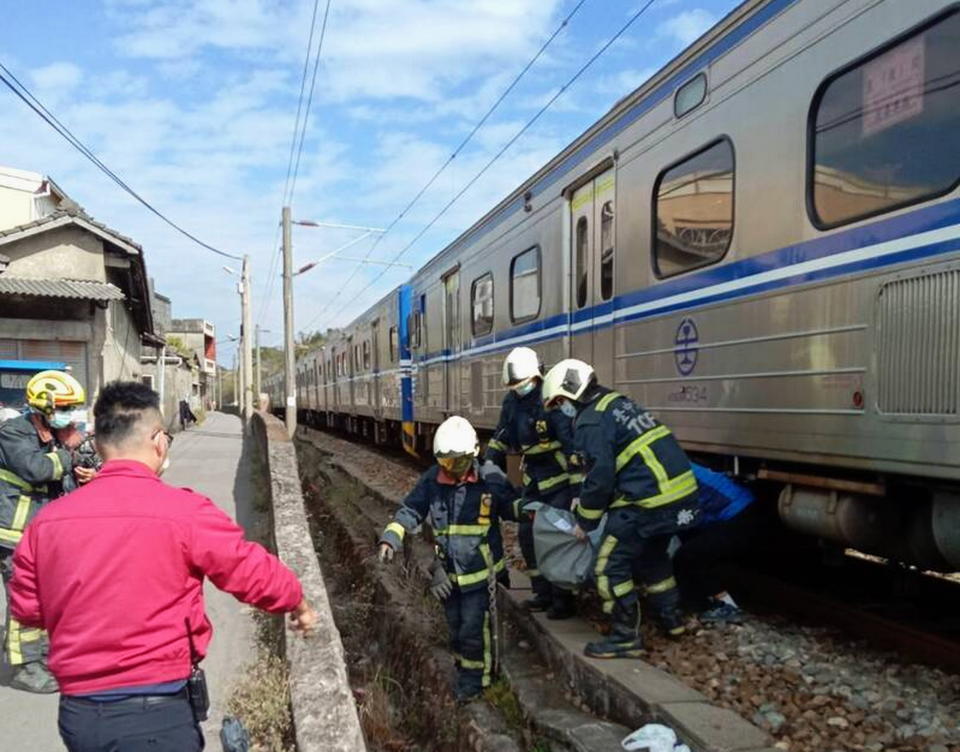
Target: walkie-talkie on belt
(197, 683)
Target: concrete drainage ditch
(394, 637)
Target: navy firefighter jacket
(465, 517)
(629, 460)
(544, 438)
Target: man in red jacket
(114, 572)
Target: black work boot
(539, 602)
(624, 640)
(564, 605)
(671, 621)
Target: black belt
(141, 700)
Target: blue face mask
(568, 408)
(524, 389)
(60, 419)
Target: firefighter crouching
(36, 466)
(550, 475)
(464, 509)
(636, 473)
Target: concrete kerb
(324, 712)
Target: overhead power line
(523, 71)
(593, 58)
(296, 144)
(23, 93)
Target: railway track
(815, 666)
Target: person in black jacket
(544, 439)
(637, 475)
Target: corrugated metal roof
(59, 288)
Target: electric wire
(623, 29)
(28, 98)
(530, 63)
(296, 143)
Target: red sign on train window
(893, 86)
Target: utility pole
(256, 373)
(288, 345)
(247, 342)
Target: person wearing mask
(544, 439)
(463, 505)
(36, 466)
(637, 475)
(115, 574)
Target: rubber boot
(564, 605)
(624, 640)
(34, 677)
(542, 598)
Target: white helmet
(569, 378)
(522, 363)
(455, 437)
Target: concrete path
(210, 460)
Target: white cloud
(56, 77)
(687, 26)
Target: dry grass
(261, 699)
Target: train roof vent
(918, 345)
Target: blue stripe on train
(931, 218)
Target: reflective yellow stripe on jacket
(472, 578)
(541, 448)
(670, 489)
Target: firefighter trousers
(559, 500)
(21, 644)
(471, 638)
(633, 558)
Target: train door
(451, 340)
(374, 375)
(351, 372)
(592, 208)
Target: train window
(582, 253)
(366, 355)
(693, 210)
(481, 299)
(690, 95)
(525, 285)
(606, 251)
(394, 344)
(885, 132)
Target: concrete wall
(67, 252)
(120, 348)
(324, 713)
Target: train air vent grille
(918, 345)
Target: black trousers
(699, 562)
(143, 724)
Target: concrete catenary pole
(288, 345)
(247, 343)
(257, 370)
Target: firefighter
(636, 473)
(463, 508)
(550, 476)
(36, 466)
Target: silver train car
(761, 245)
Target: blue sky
(193, 103)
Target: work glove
(440, 585)
(574, 504)
(490, 469)
(385, 553)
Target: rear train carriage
(761, 246)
